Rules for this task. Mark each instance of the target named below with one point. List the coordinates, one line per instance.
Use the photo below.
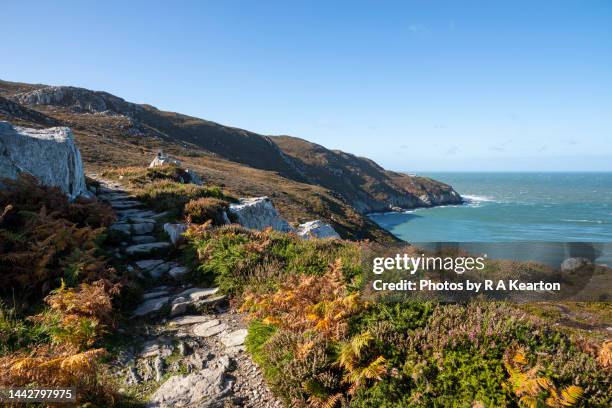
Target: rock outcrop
(50, 155)
(187, 176)
(204, 388)
(79, 100)
(175, 232)
(316, 229)
(258, 213)
(162, 160)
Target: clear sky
(414, 85)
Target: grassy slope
(105, 143)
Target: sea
(517, 209)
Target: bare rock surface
(145, 249)
(50, 155)
(316, 229)
(175, 232)
(150, 306)
(258, 213)
(204, 388)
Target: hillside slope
(305, 180)
(365, 184)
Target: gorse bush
(233, 256)
(166, 195)
(204, 209)
(164, 188)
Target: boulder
(258, 213)
(50, 155)
(175, 232)
(316, 229)
(162, 160)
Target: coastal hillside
(305, 180)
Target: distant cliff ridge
(305, 180)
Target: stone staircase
(186, 345)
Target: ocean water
(513, 207)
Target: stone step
(151, 306)
(148, 249)
(143, 239)
(154, 294)
(188, 320)
(178, 272)
(141, 228)
(208, 329)
(149, 264)
(162, 269)
(122, 227)
(125, 205)
(114, 197)
(136, 213)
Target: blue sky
(414, 85)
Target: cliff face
(362, 182)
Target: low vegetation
(320, 344)
(57, 289)
(164, 188)
(207, 208)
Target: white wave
(472, 198)
(587, 221)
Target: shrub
(80, 370)
(233, 257)
(164, 188)
(17, 333)
(79, 317)
(44, 237)
(203, 209)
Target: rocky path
(183, 345)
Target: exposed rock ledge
(258, 213)
(50, 155)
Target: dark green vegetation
(318, 344)
(235, 258)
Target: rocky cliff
(362, 182)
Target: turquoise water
(506, 207)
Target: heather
(319, 343)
